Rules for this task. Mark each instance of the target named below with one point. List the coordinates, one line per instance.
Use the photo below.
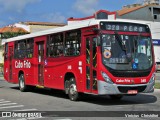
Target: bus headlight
(106, 78)
(152, 78)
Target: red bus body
(52, 72)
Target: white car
(157, 66)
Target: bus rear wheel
(72, 92)
(22, 85)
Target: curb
(156, 90)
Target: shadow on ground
(95, 99)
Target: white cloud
(16, 5)
(139, 1)
(11, 18)
(54, 17)
(87, 7)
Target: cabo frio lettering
(24, 64)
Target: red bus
(93, 55)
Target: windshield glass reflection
(126, 52)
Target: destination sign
(125, 27)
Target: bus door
(10, 62)
(40, 51)
(91, 64)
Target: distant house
(147, 13)
(38, 26)
(12, 29)
(23, 28)
(7, 32)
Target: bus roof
(54, 30)
(72, 24)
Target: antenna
(95, 14)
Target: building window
(155, 17)
(72, 43)
(55, 45)
(156, 11)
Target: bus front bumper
(113, 89)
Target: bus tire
(22, 85)
(116, 97)
(72, 92)
(66, 86)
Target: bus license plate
(132, 91)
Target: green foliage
(157, 85)
(7, 35)
(1, 64)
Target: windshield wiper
(120, 42)
(135, 44)
(123, 46)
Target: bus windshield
(126, 52)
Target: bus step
(39, 86)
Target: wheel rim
(21, 83)
(73, 89)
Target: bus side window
(55, 45)
(72, 43)
(29, 48)
(20, 49)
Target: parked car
(157, 66)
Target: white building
(148, 13)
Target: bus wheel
(22, 85)
(116, 97)
(72, 92)
(66, 86)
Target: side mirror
(98, 41)
(5, 55)
(96, 30)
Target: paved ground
(11, 99)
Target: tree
(7, 35)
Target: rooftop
(128, 10)
(12, 29)
(42, 23)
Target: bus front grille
(130, 73)
(124, 89)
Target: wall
(36, 28)
(26, 27)
(140, 14)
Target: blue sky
(12, 11)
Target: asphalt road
(11, 99)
